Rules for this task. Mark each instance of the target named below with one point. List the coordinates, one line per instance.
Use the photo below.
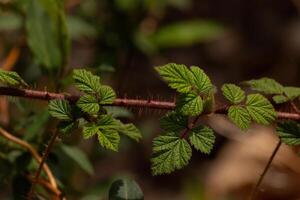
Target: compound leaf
(190, 104)
(60, 109)
(233, 93)
(239, 116)
(174, 121)
(170, 153)
(89, 104)
(202, 138)
(177, 76)
(11, 78)
(260, 109)
(265, 85)
(289, 132)
(85, 81)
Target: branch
(28, 147)
(39, 170)
(164, 105)
(256, 187)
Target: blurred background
(122, 41)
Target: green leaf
(125, 189)
(265, 85)
(79, 157)
(201, 80)
(60, 109)
(170, 153)
(89, 104)
(239, 116)
(292, 92)
(90, 130)
(260, 109)
(47, 32)
(107, 95)
(280, 98)
(107, 130)
(109, 139)
(289, 132)
(185, 80)
(202, 138)
(177, 76)
(186, 33)
(85, 81)
(174, 121)
(66, 127)
(189, 104)
(131, 131)
(11, 78)
(108, 122)
(233, 93)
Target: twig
(44, 158)
(46, 185)
(256, 187)
(165, 105)
(36, 156)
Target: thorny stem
(256, 187)
(36, 156)
(165, 105)
(44, 158)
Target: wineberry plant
(182, 127)
(39, 142)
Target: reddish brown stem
(39, 170)
(166, 105)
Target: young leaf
(292, 92)
(85, 81)
(189, 104)
(109, 139)
(260, 109)
(289, 132)
(89, 104)
(79, 157)
(60, 109)
(125, 189)
(107, 130)
(280, 98)
(239, 116)
(11, 78)
(177, 76)
(201, 80)
(202, 138)
(131, 131)
(170, 152)
(174, 121)
(233, 93)
(265, 85)
(107, 95)
(90, 130)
